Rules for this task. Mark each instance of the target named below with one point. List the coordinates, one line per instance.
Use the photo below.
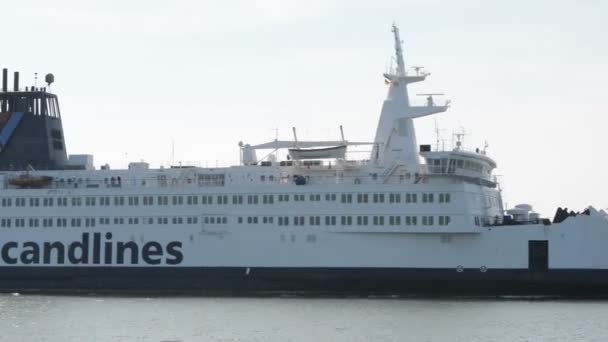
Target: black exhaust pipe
(5, 80)
(16, 81)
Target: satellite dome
(49, 78)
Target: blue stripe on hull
(237, 280)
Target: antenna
(460, 138)
(417, 69)
(295, 136)
(437, 138)
(172, 157)
(342, 134)
(398, 52)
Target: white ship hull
(260, 259)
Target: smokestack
(4, 80)
(16, 81)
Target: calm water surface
(91, 318)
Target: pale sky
(134, 76)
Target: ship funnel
(16, 81)
(4, 80)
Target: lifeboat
(318, 153)
(31, 182)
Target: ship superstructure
(407, 219)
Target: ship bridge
(472, 166)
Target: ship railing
(458, 149)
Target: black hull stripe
(239, 280)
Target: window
(314, 197)
(118, 200)
(378, 198)
(427, 220)
(89, 201)
(223, 199)
(378, 220)
(252, 199)
(236, 199)
(330, 197)
(411, 220)
(268, 199)
(284, 221)
(34, 202)
(177, 200)
(346, 220)
(346, 198)
(133, 200)
(411, 198)
(362, 198)
(444, 220)
(394, 198)
(362, 220)
(330, 220)
(191, 200)
(394, 220)
(211, 180)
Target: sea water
(102, 318)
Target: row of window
(359, 220)
(223, 199)
(348, 220)
(104, 221)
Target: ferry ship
(406, 219)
